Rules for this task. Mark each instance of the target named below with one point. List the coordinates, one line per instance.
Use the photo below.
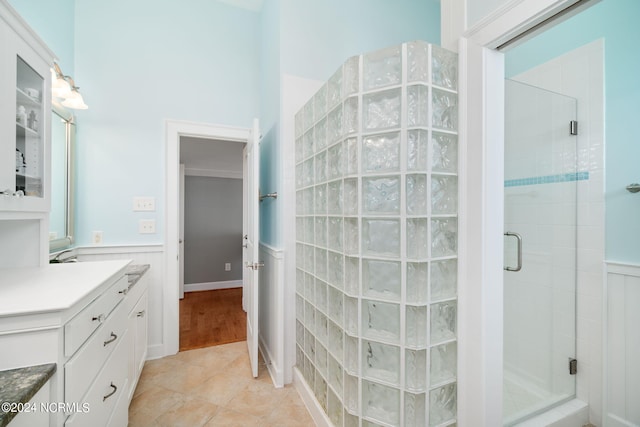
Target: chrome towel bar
(272, 195)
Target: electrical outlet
(96, 237)
(147, 226)
(144, 204)
(227, 266)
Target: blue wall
(617, 22)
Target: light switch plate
(144, 204)
(147, 226)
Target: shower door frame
(481, 181)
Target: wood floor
(210, 318)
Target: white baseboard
(155, 351)
(212, 286)
(275, 371)
(313, 406)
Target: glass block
(444, 110)
(309, 316)
(418, 61)
(309, 344)
(309, 231)
(299, 308)
(321, 295)
(335, 161)
(367, 423)
(444, 362)
(334, 408)
(381, 402)
(336, 270)
(320, 135)
(320, 230)
(351, 150)
(320, 391)
(322, 331)
(320, 199)
(335, 305)
(444, 237)
(381, 320)
(310, 288)
(300, 281)
(416, 327)
(321, 359)
(445, 152)
(299, 123)
(352, 75)
(351, 236)
(309, 259)
(309, 143)
(351, 420)
(382, 67)
(416, 370)
(381, 237)
(321, 167)
(309, 195)
(308, 115)
(299, 176)
(300, 256)
(417, 148)
(417, 105)
(308, 173)
(320, 102)
(351, 115)
(442, 404)
(444, 194)
(351, 315)
(444, 279)
(351, 355)
(381, 195)
(352, 275)
(309, 373)
(415, 414)
(300, 333)
(335, 198)
(334, 127)
(334, 89)
(382, 110)
(381, 279)
(300, 203)
(350, 196)
(443, 321)
(381, 362)
(299, 358)
(336, 341)
(321, 263)
(417, 194)
(299, 149)
(351, 393)
(417, 238)
(335, 377)
(381, 153)
(444, 66)
(417, 274)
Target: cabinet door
(25, 123)
(141, 333)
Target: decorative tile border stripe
(549, 179)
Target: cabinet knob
(124, 291)
(99, 318)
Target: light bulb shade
(60, 88)
(75, 101)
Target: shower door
(540, 250)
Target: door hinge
(573, 366)
(573, 127)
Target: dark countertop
(134, 272)
(21, 384)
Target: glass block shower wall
(376, 253)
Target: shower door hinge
(573, 127)
(573, 366)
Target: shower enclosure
(540, 237)
(376, 227)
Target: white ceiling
(210, 157)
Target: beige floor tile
(184, 378)
(229, 418)
(193, 413)
(156, 401)
(219, 389)
(143, 418)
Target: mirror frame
(70, 141)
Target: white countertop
(55, 287)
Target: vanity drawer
(107, 389)
(82, 368)
(78, 329)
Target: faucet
(56, 259)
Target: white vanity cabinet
(137, 306)
(25, 105)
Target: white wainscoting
(212, 286)
(143, 254)
(622, 346)
(271, 312)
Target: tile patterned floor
(213, 387)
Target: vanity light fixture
(64, 88)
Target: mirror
(61, 219)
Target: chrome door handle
(255, 265)
(519, 239)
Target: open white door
(252, 236)
(181, 237)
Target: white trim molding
(318, 415)
(213, 173)
(212, 286)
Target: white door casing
(181, 236)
